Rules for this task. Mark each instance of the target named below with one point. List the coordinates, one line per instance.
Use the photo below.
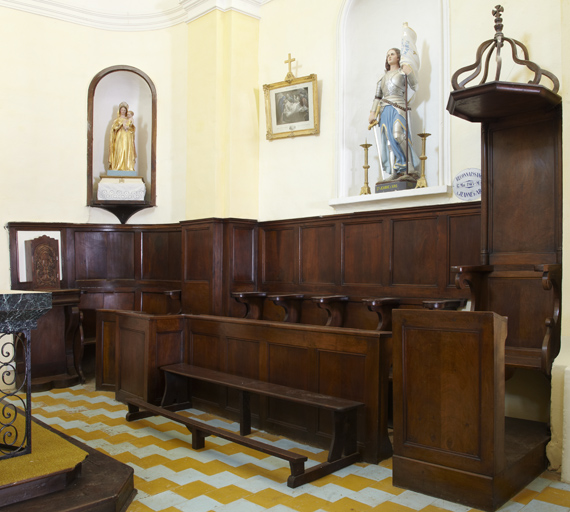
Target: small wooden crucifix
(290, 76)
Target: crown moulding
(132, 15)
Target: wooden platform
(104, 485)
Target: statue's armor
(390, 90)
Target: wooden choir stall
(451, 437)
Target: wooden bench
(348, 363)
(343, 449)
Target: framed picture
(291, 108)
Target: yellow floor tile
(525, 496)
(346, 505)
(194, 489)
(307, 503)
(228, 494)
(180, 464)
(392, 507)
(387, 486)
(155, 486)
(555, 496)
(268, 498)
(279, 475)
(356, 483)
(152, 461)
(326, 480)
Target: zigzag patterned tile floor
(171, 477)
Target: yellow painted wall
(47, 66)
(223, 119)
(296, 176)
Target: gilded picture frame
(292, 108)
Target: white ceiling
(131, 15)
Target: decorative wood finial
(498, 12)
(495, 45)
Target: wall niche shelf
(107, 90)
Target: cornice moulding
(131, 15)
(197, 8)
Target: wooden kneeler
(451, 437)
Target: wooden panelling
(517, 199)
(105, 364)
(206, 350)
(521, 301)
(162, 255)
(447, 378)
(349, 370)
(104, 255)
(133, 356)
(279, 256)
(403, 253)
(243, 357)
(362, 246)
(319, 257)
(243, 251)
(156, 302)
(385, 253)
(143, 344)
(467, 229)
(414, 252)
(199, 244)
(289, 366)
(202, 254)
(90, 302)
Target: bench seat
(343, 449)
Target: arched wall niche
(366, 30)
(107, 90)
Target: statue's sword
(376, 130)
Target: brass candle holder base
(365, 188)
(422, 182)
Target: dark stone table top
(20, 310)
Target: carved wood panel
(414, 255)
(243, 255)
(362, 246)
(279, 256)
(161, 255)
(524, 190)
(104, 255)
(463, 243)
(318, 254)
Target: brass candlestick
(422, 182)
(365, 188)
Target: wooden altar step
(96, 482)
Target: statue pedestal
(121, 188)
(391, 186)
